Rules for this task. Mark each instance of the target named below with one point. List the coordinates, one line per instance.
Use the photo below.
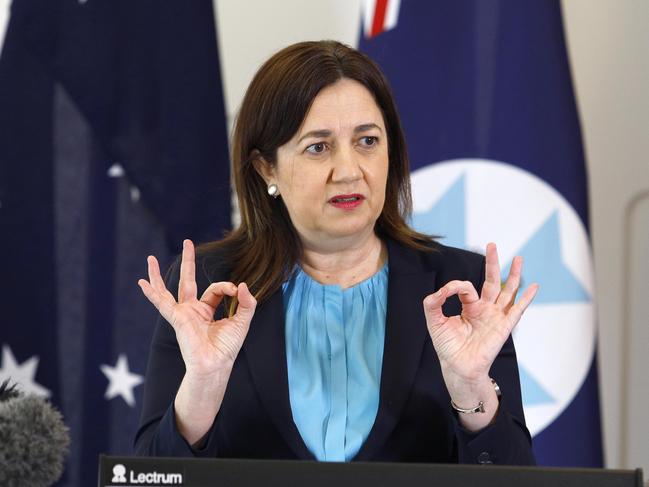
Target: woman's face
(333, 172)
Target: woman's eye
(316, 148)
(369, 140)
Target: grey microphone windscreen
(34, 441)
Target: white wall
(251, 31)
(609, 50)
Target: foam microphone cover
(34, 441)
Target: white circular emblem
(471, 202)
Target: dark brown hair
(265, 248)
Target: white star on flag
(121, 380)
(115, 171)
(22, 374)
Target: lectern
(190, 472)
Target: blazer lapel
(405, 336)
(265, 351)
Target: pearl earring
(273, 190)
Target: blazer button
(484, 458)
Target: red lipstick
(347, 201)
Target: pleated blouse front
(334, 352)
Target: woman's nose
(346, 167)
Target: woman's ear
(263, 168)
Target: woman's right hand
(207, 346)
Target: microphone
(34, 441)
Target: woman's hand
(207, 346)
(468, 344)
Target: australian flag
(113, 146)
(485, 96)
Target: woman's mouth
(347, 201)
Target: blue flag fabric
(486, 100)
(113, 146)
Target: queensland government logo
(471, 202)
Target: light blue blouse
(334, 353)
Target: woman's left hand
(468, 344)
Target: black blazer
(414, 422)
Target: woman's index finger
(154, 274)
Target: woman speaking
(324, 327)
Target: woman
(323, 348)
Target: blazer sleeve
(158, 434)
(506, 440)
